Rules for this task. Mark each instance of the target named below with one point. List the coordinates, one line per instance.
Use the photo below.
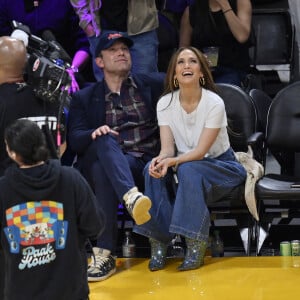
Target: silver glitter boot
(194, 257)
(158, 255)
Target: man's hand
(105, 129)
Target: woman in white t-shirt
(194, 142)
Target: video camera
(47, 64)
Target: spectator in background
(59, 17)
(139, 19)
(174, 9)
(44, 250)
(225, 25)
(113, 130)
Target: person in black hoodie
(47, 214)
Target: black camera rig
(47, 75)
(47, 64)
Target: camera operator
(17, 99)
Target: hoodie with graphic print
(47, 213)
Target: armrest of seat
(256, 143)
(256, 138)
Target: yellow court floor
(226, 278)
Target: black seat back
(262, 102)
(241, 115)
(274, 34)
(283, 127)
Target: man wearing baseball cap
(113, 130)
(108, 38)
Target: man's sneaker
(102, 265)
(138, 206)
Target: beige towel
(254, 171)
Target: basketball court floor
(226, 278)
(233, 277)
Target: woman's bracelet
(226, 11)
(176, 164)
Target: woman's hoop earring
(202, 81)
(176, 84)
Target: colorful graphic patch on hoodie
(36, 228)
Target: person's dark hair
(204, 65)
(27, 140)
(169, 86)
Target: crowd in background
(120, 127)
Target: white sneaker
(138, 206)
(102, 265)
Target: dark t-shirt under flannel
(128, 114)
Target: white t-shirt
(187, 128)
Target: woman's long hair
(204, 66)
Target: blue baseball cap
(108, 38)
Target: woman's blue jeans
(185, 212)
